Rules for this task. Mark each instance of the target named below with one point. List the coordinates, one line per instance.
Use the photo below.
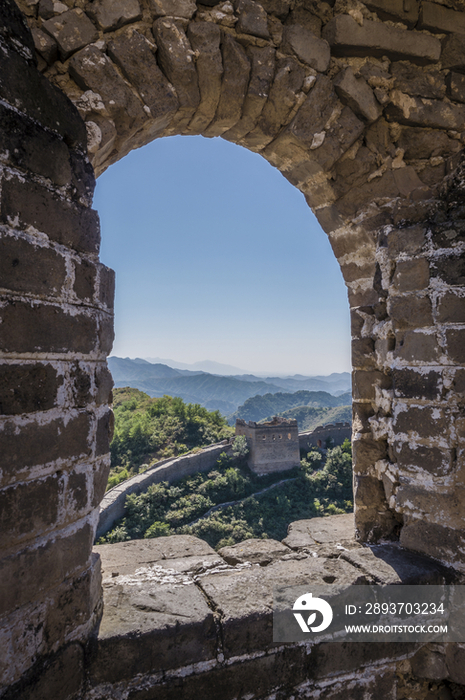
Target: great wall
(361, 106)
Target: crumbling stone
(112, 14)
(71, 30)
(356, 93)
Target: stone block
(419, 143)
(411, 310)
(363, 353)
(76, 495)
(25, 267)
(105, 334)
(366, 452)
(364, 384)
(456, 86)
(26, 509)
(27, 388)
(106, 286)
(434, 460)
(288, 81)
(26, 327)
(361, 413)
(308, 47)
(411, 275)
(176, 61)
(61, 676)
(173, 8)
(245, 597)
(440, 19)
(81, 385)
(112, 14)
(27, 574)
(100, 474)
(414, 111)
(149, 627)
(42, 152)
(29, 204)
(455, 339)
(255, 551)
(93, 70)
(444, 506)
(434, 540)
(279, 8)
(262, 72)
(451, 308)
(347, 38)
(417, 384)
(105, 429)
(453, 52)
(424, 421)
(304, 534)
(413, 80)
(42, 101)
(236, 73)
(205, 38)
(327, 660)
(409, 240)
(417, 347)
(85, 276)
(71, 30)
(396, 10)
(39, 445)
(252, 18)
(134, 56)
(45, 45)
(358, 95)
(329, 219)
(450, 270)
(455, 660)
(103, 383)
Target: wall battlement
(273, 446)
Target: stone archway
(362, 107)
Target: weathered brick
(356, 93)
(364, 384)
(81, 385)
(415, 346)
(26, 574)
(361, 414)
(363, 353)
(27, 388)
(451, 308)
(440, 19)
(104, 384)
(411, 275)
(61, 676)
(205, 38)
(347, 38)
(25, 267)
(455, 339)
(29, 204)
(43, 444)
(430, 458)
(413, 80)
(308, 47)
(418, 142)
(411, 311)
(433, 539)
(100, 479)
(106, 286)
(71, 30)
(252, 18)
(417, 384)
(453, 52)
(396, 10)
(76, 496)
(366, 452)
(42, 101)
(450, 270)
(26, 327)
(106, 333)
(425, 421)
(133, 54)
(30, 147)
(456, 86)
(105, 429)
(112, 14)
(416, 111)
(173, 8)
(85, 276)
(28, 508)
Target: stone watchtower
(273, 446)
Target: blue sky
(218, 257)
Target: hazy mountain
(208, 366)
(258, 408)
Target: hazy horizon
(217, 255)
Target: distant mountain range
(258, 408)
(216, 391)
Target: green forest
(149, 429)
(322, 485)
